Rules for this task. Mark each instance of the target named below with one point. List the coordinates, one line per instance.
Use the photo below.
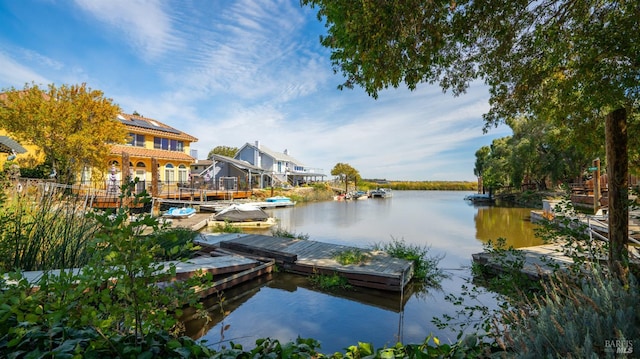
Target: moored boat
(479, 198)
(278, 199)
(175, 212)
(381, 193)
(243, 215)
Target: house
(150, 142)
(279, 168)
(226, 174)
(12, 148)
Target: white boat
(381, 193)
(175, 212)
(244, 216)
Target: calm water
(284, 306)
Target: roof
(280, 156)
(150, 153)
(7, 145)
(150, 126)
(238, 163)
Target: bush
(425, 267)
(583, 319)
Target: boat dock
(227, 269)
(538, 261)
(308, 257)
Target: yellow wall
(33, 154)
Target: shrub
(575, 319)
(425, 267)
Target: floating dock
(308, 257)
(227, 269)
(538, 261)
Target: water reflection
(284, 306)
(513, 224)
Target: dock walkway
(228, 270)
(538, 261)
(309, 257)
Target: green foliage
(351, 256)
(281, 232)
(575, 319)
(175, 243)
(226, 228)
(425, 267)
(227, 151)
(509, 281)
(46, 231)
(329, 282)
(118, 303)
(346, 174)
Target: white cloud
(13, 73)
(144, 24)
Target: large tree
(346, 173)
(73, 126)
(576, 62)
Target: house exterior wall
(32, 157)
(247, 153)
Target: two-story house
(280, 168)
(151, 140)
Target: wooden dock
(228, 270)
(538, 261)
(308, 257)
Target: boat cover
(241, 213)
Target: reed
(49, 231)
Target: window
(136, 140)
(169, 173)
(160, 143)
(182, 174)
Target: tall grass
(44, 232)
(422, 185)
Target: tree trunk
(617, 173)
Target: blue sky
(231, 72)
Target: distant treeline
(420, 185)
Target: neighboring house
(280, 169)
(11, 147)
(226, 174)
(151, 139)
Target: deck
(308, 257)
(539, 261)
(227, 269)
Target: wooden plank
(311, 257)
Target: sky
(233, 72)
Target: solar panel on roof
(144, 124)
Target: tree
(223, 151)
(73, 125)
(346, 173)
(572, 62)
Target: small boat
(479, 197)
(243, 215)
(380, 193)
(278, 199)
(175, 212)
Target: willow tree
(575, 62)
(73, 126)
